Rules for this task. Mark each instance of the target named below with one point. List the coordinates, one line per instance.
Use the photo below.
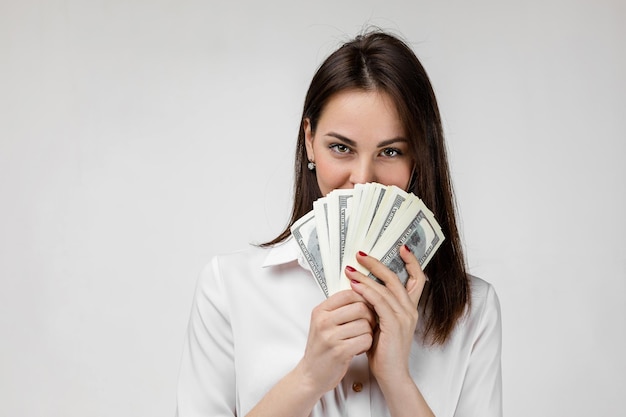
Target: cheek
(398, 176)
(330, 175)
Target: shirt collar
(282, 253)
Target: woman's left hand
(396, 308)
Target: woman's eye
(391, 152)
(339, 148)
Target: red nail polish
(349, 268)
(407, 248)
(361, 253)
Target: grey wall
(138, 138)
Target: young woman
(263, 340)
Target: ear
(308, 139)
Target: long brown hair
(380, 61)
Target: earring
(311, 166)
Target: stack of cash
(372, 218)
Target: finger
(360, 344)
(377, 295)
(417, 279)
(358, 310)
(386, 275)
(339, 299)
(353, 329)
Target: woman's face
(359, 138)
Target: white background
(138, 138)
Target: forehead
(361, 114)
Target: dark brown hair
(380, 61)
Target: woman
(264, 341)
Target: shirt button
(357, 387)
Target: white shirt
(249, 325)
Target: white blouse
(249, 325)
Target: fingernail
(349, 268)
(361, 253)
(407, 248)
(354, 281)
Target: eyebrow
(353, 143)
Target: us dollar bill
(320, 208)
(305, 234)
(422, 236)
(363, 213)
(385, 215)
(373, 218)
(339, 208)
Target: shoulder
(227, 265)
(251, 256)
(477, 348)
(236, 267)
(225, 274)
(482, 292)
(250, 281)
(484, 308)
(256, 257)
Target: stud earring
(311, 166)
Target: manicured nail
(355, 282)
(349, 268)
(361, 253)
(407, 248)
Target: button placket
(356, 386)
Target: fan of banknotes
(372, 218)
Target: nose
(363, 171)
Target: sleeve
(481, 394)
(206, 385)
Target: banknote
(339, 213)
(367, 201)
(320, 209)
(422, 236)
(373, 218)
(305, 233)
(385, 214)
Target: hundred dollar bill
(366, 203)
(305, 233)
(423, 236)
(392, 202)
(339, 207)
(374, 218)
(364, 208)
(390, 212)
(320, 208)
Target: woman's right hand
(341, 327)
